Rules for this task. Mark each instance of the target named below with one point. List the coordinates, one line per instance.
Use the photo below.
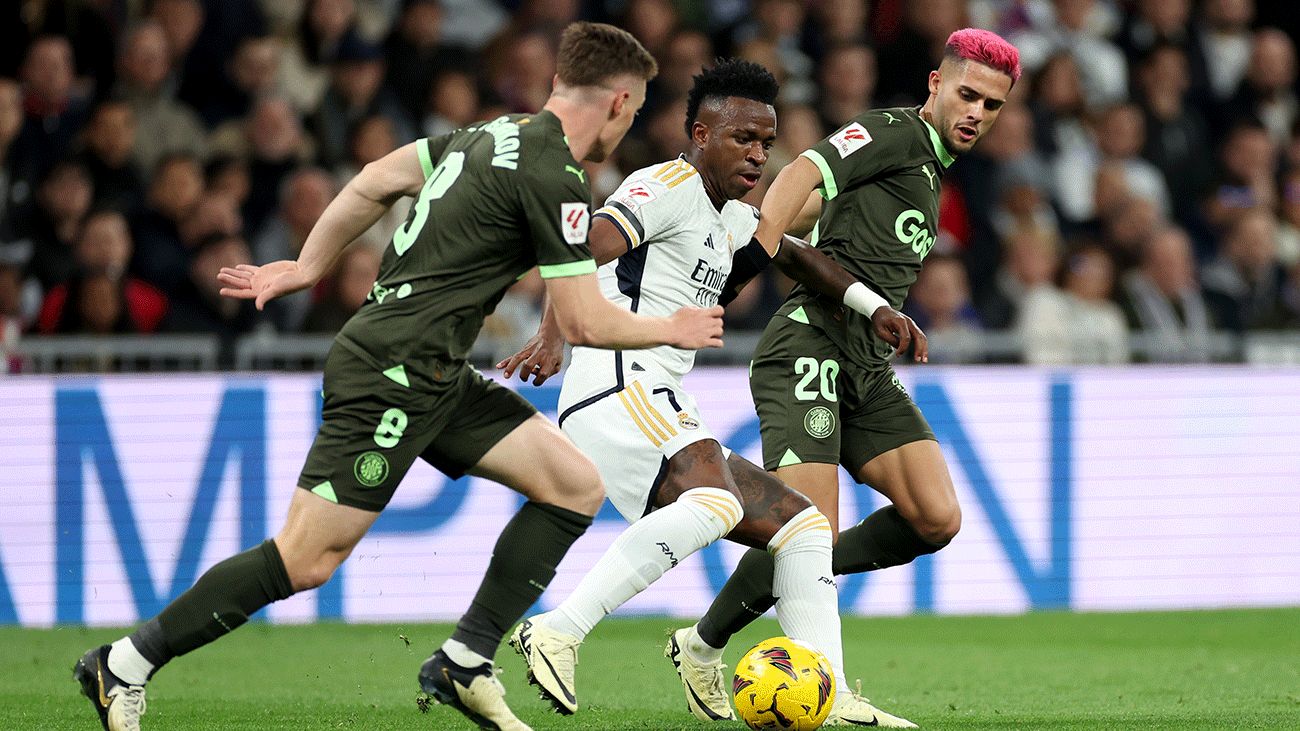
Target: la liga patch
(850, 139)
(575, 220)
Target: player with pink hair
(822, 384)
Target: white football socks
(807, 604)
(459, 653)
(643, 552)
(127, 663)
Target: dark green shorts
(815, 406)
(373, 427)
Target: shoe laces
(132, 700)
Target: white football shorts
(631, 435)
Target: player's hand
(541, 358)
(694, 328)
(899, 331)
(263, 283)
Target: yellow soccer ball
(783, 684)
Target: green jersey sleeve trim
(571, 269)
(426, 162)
(942, 152)
(829, 188)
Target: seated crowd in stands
(1143, 181)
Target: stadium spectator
(1119, 137)
(1267, 93)
(62, 200)
(199, 307)
(416, 53)
(164, 125)
(453, 103)
(160, 257)
(356, 90)
(228, 175)
(1163, 301)
(110, 137)
(1244, 282)
(307, 192)
(88, 26)
(1080, 28)
(847, 79)
(180, 21)
(253, 72)
(1029, 262)
(206, 70)
(274, 142)
(1177, 133)
(1247, 179)
(917, 50)
(15, 186)
(372, 138)
(345, 290)
(1153, 23)
(20, 297)
(56, 104)
(524, 79)
(1127, 223)
(686, 54)
(841, 23)
(1078, 323)
(101, 298)
(306, 57)
(940, 304)
(779, 25)
(1288, 234)
(1222, 30)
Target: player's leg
(900, 459)
(321, 529)
(499, 436)
(696, 504)
(796, 547)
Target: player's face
(733, 136)
(967, 97)
(621, 122)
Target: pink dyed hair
(985, 47)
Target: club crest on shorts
(371, 469)
(686, 421)
(819, 422)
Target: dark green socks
(221, 600)
(523, 564)
(882, 540)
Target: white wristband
(863, 299)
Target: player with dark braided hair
(672, 234)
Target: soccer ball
(783, 684)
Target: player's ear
(700, 133)
(934, 80)
(616, 107)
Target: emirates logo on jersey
(850, 139)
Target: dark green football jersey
(881, 175)
(498, 199)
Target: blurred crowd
(1143, 180)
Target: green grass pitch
(1201, 671)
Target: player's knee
(721, 508)
(810, 528)
(939, 526)
(312, 574)
(584, 492)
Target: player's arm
(785, 201)
(543, 354)
(585, 317)
(356, 208)
(809, 266)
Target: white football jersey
(679, 255)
